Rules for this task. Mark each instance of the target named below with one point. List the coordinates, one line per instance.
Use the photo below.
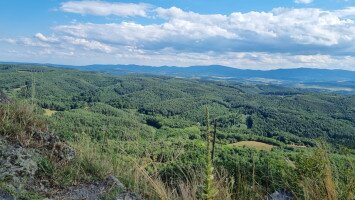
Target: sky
(246, 34)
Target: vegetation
(150, 131)
(253, 144)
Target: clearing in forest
(253, 144)
(48, 112)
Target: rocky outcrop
(110, 187)
(6, 196)
(52, 142)
(3, 97)
(280, 195)
(18, 169)
(17, 164)
(128, 196)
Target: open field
(49, 113)
(253, 144)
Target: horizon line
(237, 68)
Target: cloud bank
(304, 1)
(280, 38)
(101, 8)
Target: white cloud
(101, 8)
(279, 30)
(304, 1)
(88, 44)
(350, 11)
(8, 40)
(60, 42)
(25, 41)
(281, 38)
(43, 38)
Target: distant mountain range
(334, 80)
(223, 72)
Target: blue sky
(257, 34)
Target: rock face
(18, 168)
(3, 98)
(111, 188)
(58, 148)
(5, 196)
(128, 196)
(17, 164)
(280, 195)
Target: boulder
(5, 196)
(280, 195)
(53, 143)
(128, 196)
(3, 98)
(93, 191)
(17, 164)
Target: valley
(265, 134)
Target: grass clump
(18, 121)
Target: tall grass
(209, 190)
(18, 121)
(316, 173)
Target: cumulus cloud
(280, 30)
(101, 8)
(25, 41)
(88, 44)
(44, 38)
(59, 42)
(347, 12)
(282, 37)
(304, 1)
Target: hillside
(297, 74)
(326, 80)
(290, 115)
(340, 81)
(158, 122)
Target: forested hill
(297, 74)
(150, 132)
(274, 113)
(320, 79)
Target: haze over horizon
(255, 35)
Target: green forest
(152, 132)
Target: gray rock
(55, 145)
(128, 196)
(280, 195)
(93, 191)
(3, 98)
(17, 164)
(112, 181)
(5, 196)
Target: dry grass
(317, 180)
(49, 113)
(98, 158)
(328, 174)
(18, 122)
(252, 144)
